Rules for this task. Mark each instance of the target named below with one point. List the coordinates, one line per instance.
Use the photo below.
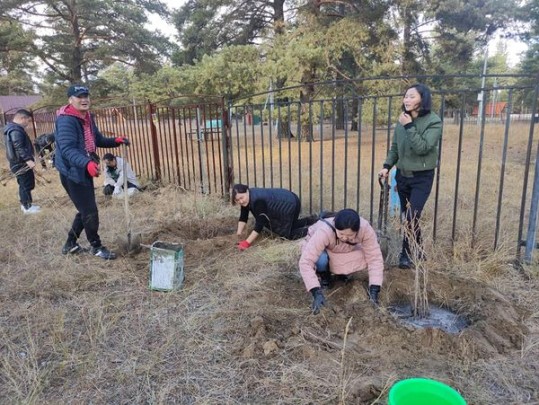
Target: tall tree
(530, 64)
(77, 38)
(360, 43)
(16, 66)
(205, 26)
(460, 28)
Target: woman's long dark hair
(426, 98)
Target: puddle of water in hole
(438, 318)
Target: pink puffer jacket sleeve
(373, 254)
(319, 237)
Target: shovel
(383, 238)
(132, 245)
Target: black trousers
(413, 195)
(87, 217)
(27, 182)
(301, 226)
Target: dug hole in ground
(81, 330)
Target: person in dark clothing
(414, 151)
(276, 209)
(20, 154)
(77, 138)
(44, 144)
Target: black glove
(374, 290)
(318, 300)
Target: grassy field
(79, 330)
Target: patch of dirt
(496, 324)
(194, 230)
(367, 341)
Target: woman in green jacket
(414, 151)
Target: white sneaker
(34, 209)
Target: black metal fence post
(534, 207)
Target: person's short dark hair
(347, 219)
(426, 98)
(78, 90)
(109, 156)
(238, 188)
(24, 113)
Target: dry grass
(79, 330)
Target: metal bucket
(166, 266)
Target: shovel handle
(382, 207)
(382, 180)
(126, 195)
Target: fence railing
(169, 144)
(329, 150)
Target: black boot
(71, 247)
(326, 280)
(404, 261)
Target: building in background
(492, 110)
(10, 104)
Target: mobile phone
(404, 110)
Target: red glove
(122, 139)
(92, 168)
(243, 245)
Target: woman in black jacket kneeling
(276, 209)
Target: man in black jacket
(20, 154)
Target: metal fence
(329, 151)
(179, 144)
(327, 142)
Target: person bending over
(342, 245)
(276, 209)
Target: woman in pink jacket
(341, 245)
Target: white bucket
(166, 266)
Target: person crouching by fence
(114, 177)
(20, 154)
(276, 209)
(340, 246)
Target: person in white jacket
(114, 176)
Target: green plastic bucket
(423, 391)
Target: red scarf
(89, 138)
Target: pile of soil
(350, 333)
